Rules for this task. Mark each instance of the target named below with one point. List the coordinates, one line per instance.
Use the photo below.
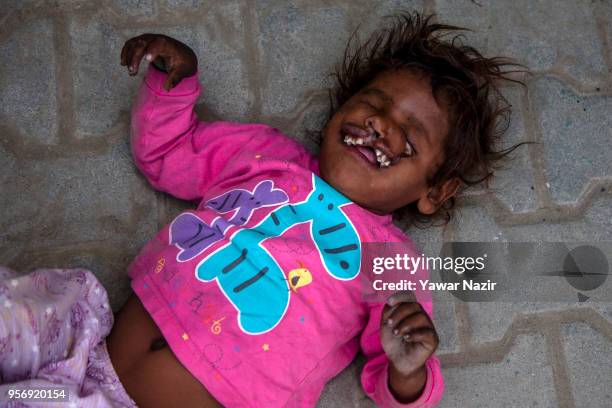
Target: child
(251, 299)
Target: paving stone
(108, 260)
(9, 250)
(103, 90)
(345, 389)
(179, 4)
(301, 45)
(93, 211)
(11, 8)
(589, 361)
(576, 132)
(310, 128)
(475, 224)
(76, 200)
(490, 320)
(540, 35)
(514, 183)
(373, 14)
(603, 9)
(28, 83)
(522, 379)
(603, 308)
(219, 42)
(445, 321)
(135, 8)
(299, 48)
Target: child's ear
(436, 196)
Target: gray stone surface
(478, 224)
(514, 183)
(522, 378)
(292, 61)
(589, 360)
(371, 13)
(71, 197)
(102, 91)
(576, 132)
(12, 8)
(28, 82)
(335, 394)
(179, 4)
(490, 321)
(308, 126)
(562, 37)
(90, 211)
(82, 199)
(220, 42)
(135, 8)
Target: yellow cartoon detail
(216, 326)
(160, 265)
(299, 277)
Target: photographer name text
(425, 284)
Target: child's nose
(387, 137)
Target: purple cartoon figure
(246, 202)
(192, 235)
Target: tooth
(378, 152)
(387, 163)
(408, 150)
(359, 141)
(383, 158)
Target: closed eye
(369, 104)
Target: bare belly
(147, 368)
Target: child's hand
(178, 59)
(407, 334)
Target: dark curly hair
(460, 77)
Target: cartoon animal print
(264, 195)
(192, 235)
(299, 277)
(251, 278)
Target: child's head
(414, 118)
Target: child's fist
(407, 334)
(178, 59)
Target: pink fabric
(252, 182)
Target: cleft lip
(368, 139)
(354, 130)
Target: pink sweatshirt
(255, 291)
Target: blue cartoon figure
(251, 278)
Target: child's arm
(177, 153)
(400, 373)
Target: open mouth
(363, 140)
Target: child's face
(396, 108)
